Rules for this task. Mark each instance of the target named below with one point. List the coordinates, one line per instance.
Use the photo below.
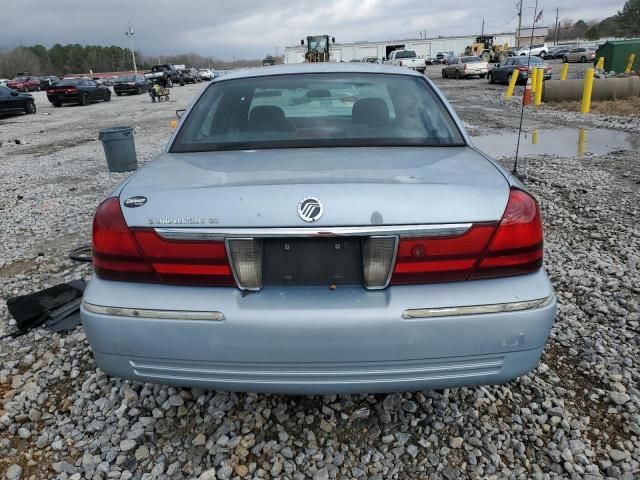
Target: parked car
(24, 84)
(299, 264)
(441, 58)
(205, 74)
(131, 84)
(3, 82)
(558, 52)
(12, 102)
(47, 80)
(582, 55)
(408, 59)
(77, 90)
(371, 60)
(537, 49)
(165, 74)
(190, 75)
(471, 66)
(501, 72)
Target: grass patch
(624, 107)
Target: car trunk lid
(356, 186)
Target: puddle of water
(565, 142)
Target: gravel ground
(575, 416)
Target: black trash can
(119, 148)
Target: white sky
(252, 29)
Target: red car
(24, 84)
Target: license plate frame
(312, 261)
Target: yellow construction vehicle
(317, 48)
(485, 49)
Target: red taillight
(512, 247)
(115, 253)
(441, 259)
(465, 67)
(517, 246)
(185, 262)
(141, 255)
(523, 69)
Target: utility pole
(483, 26)
(129, 33)
(519, 24)
(555, 34)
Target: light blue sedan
(319, 228)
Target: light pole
(129, 33)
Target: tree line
(626, 23)
(76, 58)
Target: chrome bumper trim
(476, 309)
(159, 314)
(195, 233)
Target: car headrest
(370, 111)
(269, 118)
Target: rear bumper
(127, 89)
(314, 340)
(64, 98)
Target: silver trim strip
(147, 313)
(477, 309)
(196, 233)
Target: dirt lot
(575, 416)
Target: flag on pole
(538, 17)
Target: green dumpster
(616, 54)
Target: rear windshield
(529, 61)
(127, 79)
(406, 54)
(471, 59)
(317, 110)
(68, 81)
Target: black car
(15, 102)
(47, 81)
(501, 72)
(131, 84)
(190, 75)
(77, 90)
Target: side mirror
(180, 112)
(333, 39)
(302, 42)
(14, 93)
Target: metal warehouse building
(345, 52)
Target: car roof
(322, 67)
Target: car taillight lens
(512, 247)
(377, 260)
(246, 257)
(141, 255)
(517, 246)
(115, 253)
(440, 259)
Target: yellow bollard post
(512, 84)
(539, 84)
(600, 64)
(632, 58)
(534, 79)
(564, 71)
(586, 90)
(582, 142)
(535, 137)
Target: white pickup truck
(407, 58)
